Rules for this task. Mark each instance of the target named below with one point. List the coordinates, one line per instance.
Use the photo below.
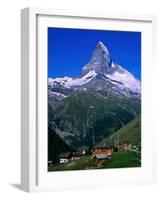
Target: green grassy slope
(130, 133)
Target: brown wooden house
(101, 152)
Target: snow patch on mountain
(125, 80)
(58, 94)
(69, 82)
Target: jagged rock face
(112, 92)
(100, 61)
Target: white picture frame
(34, 176)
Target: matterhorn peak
(99, 72)
(102, 47)
(100, 60)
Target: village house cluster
(70, 156)
(99, 153)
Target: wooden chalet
(64, 157)
(127, 146)
(76, 155)
(102, 152)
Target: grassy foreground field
(119, 159)
(130, 133)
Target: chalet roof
(104, 146)
(64, 155)
(101, 156)
(101, 151)
(77, 153)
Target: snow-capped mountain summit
(100, 61)
(99, 72)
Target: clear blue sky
(70, 49)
